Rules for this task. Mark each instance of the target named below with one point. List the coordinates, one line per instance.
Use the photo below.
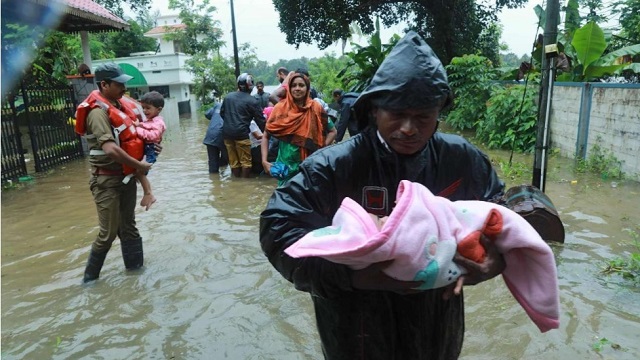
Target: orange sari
(301, 126)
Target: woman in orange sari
(300, 124)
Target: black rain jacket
(356, 324)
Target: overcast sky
(257, 24)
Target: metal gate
(46, 110)
(13, 163)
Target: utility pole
(550, 52)
(235, 41)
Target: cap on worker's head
(411, 76)
(113, 72)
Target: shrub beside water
(510, 119)
(470, 78)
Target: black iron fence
(44, 110)
(13, 162)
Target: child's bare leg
(147, 199)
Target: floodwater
(207, 291)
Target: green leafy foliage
(594, 52)
(201, 38)
(504, 125)
(201, 33)
(250, 63)
(602, 162)
(324, 73)
(629, 16)
(452, 28)
(470, 78)
(123, 43)
(115, 6)
(515, 172)
(212, 76)
(627, 266)
(364, 61)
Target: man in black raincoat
(365, 314)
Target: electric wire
(526, 82)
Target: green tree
(116, 6)
(489, 44)
(201, 33)
(452, 28)
(250, 63)
(213, 76)
(629, 13)
(470, 78)
(123, 43)
(510, 118)
(365, 60)
(324, 71)
(201, 38)
(510, 60)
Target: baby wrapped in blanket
(422, 235)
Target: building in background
(162, 71)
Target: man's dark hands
(492, 266)
(157, 148)
(373, 278)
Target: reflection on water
(207, 291)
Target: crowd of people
(363, 312)
(271, 133)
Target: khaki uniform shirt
(98, 124)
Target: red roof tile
(92, 8)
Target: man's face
(280, 77)
(260, 88)
(337, 97)
(113, 90)
(406, 131)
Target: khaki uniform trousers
(116, 203)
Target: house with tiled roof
(162, 70)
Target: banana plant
(365, 60)
(585, 46)
(589, 44)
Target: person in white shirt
(255, 135)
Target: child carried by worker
(150, 131)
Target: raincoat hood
(411, 76)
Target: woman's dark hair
(303, 71)
(303, 77)
(153, 98)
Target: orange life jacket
(122, 122)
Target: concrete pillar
(86, 50)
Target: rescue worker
(364, 314)
(107, 120)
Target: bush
(504, 126)
(601, 162)
(470, 78)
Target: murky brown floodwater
(207, 291)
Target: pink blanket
(422, 235)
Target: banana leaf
(635, 67)
(589, 43)
(609, 58)
(594, 72)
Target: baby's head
(379, 221)
(152, 104)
